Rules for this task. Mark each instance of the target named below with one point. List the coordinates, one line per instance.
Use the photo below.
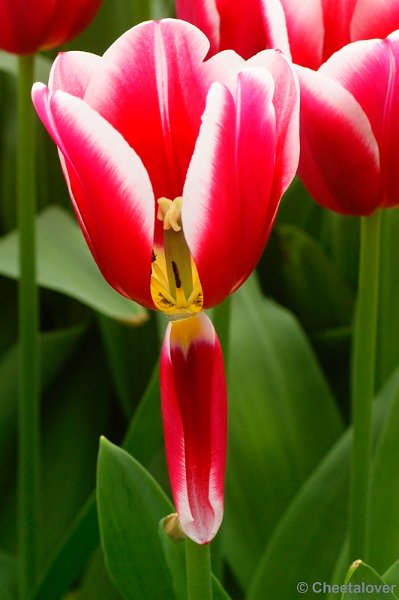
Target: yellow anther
(169, 211)
(175, 286)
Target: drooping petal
(370, 71)
(151, 89)
(339, 160)
(110, 190)
(305, 26)
(194, 412)
(71, 72)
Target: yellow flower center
(175, 286)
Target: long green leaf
(142, 439)
(130, 505)
(282, 420)
(364, 583)
(308, 538)
(65, 265)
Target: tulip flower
(350, 127)
(175, 168)
(27, 26)
(310, 31)
(246, 27)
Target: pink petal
(71, 72)
(110, 190)
(374, 18)
(339, 160)
(234, 183)
(358, 67)
(255, 206)
(204, 15)
(337, 21)
(305, 26)
(252, 26)
(286, 106)
(151, 89)
(210, 223)
(194, 412)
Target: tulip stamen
(176, 274)
(175, 285)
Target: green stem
(198, 568)
(28, 457)
(364, 354)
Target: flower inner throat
(175, 285)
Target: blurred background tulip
(309, 31)
(27, 26)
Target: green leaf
(143, 438)
(308, 538)
(65, 265)
(75, 414)
(130, 505)
(388, 317)
(384, 538)
(282, 420)
(391, 576)
(300, 275)
(364, 583)
(8, 577)
(131, 353)
(55, 349)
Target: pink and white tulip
(175, 168)
(308, 30)
(350, 127)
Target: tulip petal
(305, 26)
(203, 15)
(21, 34)
(339, 160)
(210, 225)
(286, 105)
(72, 71)
(358, 67)
(228, 208)
(151, 89)
(337, 20)
(110, 190)
(69, 19)
(194, 412)
(374, 18)
(252, 27)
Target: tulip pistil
(175, 286)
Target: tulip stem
(198, 569)
(363, 383)
(28, 395)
